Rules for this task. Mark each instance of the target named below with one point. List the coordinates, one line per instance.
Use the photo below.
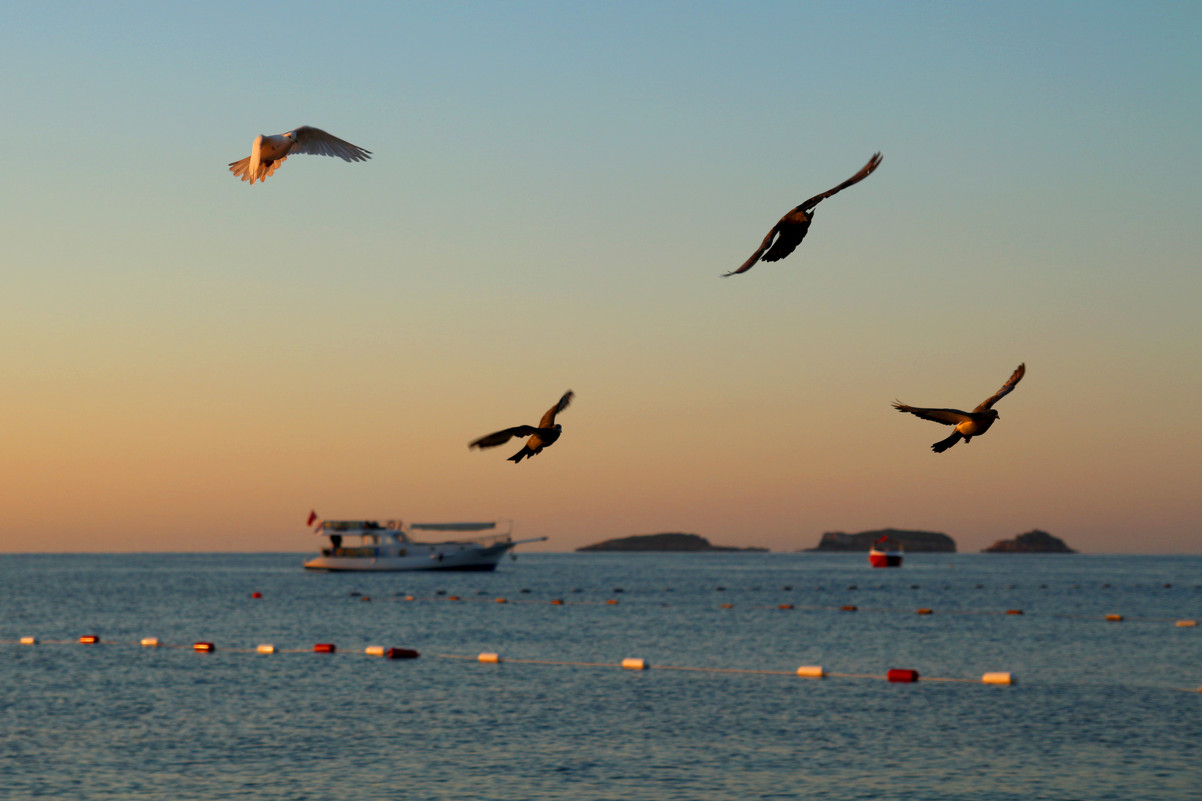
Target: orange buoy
(205, 647)
(324, 648)
(1114, 618)
(489, 657)
(452, 597)
(850, 608)
(924, 611)
(29, 641)
(997, 678)
(786, 606)
(150, 642)
(401, 653)
(89, 639)
(635, 664)
(612, 601)
(266, 648)
(904, 676)
(502, 601)
(728, 606)
(557, 601)
(374, 650)
(811, 672)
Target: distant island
(910, 541)
(668, 541)
(1035, 541)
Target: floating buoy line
(441, 596)
(892, 675)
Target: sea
(1103, 703)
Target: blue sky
(193, 363)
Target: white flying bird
(541, 436)
(269, 152)
(968, 424)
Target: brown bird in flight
(794, 226)
(269, 152)
(541, 436)
(968, 424)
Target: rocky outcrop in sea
(667, 541)
(1034, 541)
(910, 541)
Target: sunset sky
(190, 363)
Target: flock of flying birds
(269, 152)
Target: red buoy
(401, 653)
(898, 675)
(256, 594)
(850, 608)
(324, 648)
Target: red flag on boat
(312, 517)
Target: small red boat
(883, 554)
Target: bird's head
(992, 414)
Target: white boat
(392, 545)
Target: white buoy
(150, 642)
(266, 649)
(375, 650)
(29, 641)
(635, 664)
(489, 657)
(811, 671)
(997, 678)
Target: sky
(190, 363)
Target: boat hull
(884, 558)
(456, 557)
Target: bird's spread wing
(756, 256)
(501, 437)
(864, 172)
(948, 417)
(549, 418)
(1006, 389)
(317, 142)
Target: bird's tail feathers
(525, 452)
(242, 169)
(943, 444)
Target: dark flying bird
(541, 436)
(269, 152)
(968, 424)
(793, 227)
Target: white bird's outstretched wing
(948, 417)
(316, 142)
(1006, 389)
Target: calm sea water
(1100, 710)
